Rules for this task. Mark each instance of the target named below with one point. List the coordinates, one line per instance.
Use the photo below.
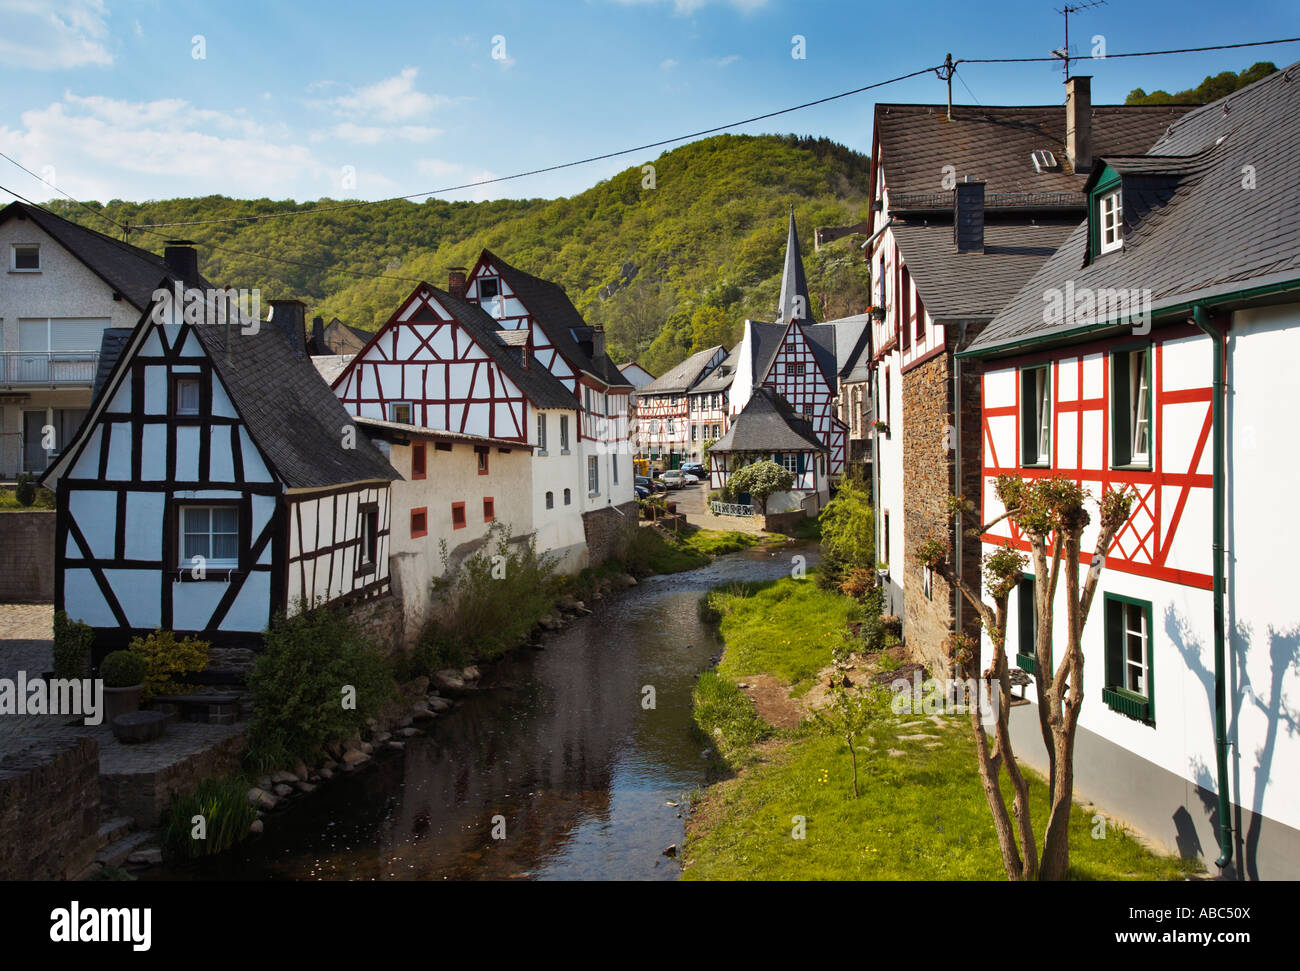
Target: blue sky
(367, 100)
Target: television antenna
(1065, 11)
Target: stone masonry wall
(606, 530)
(27, 556)
(49, 810)
(929, 434)
(144, 795)
(383, 621)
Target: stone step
(114, 829)
(115, 853)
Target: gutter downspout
(956, 468)
(1201, 319)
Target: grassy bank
(921, 814)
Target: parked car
(696, 469)
(673, 479)
(642, 492)
(645, 482)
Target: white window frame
(541, 433)
(1142, 637)
(209, 562)
(13, 257)
(593, 476)
(1110, 221)
(564, 434)
(392, 412)
(790, 460)
(184, 381)
(1139, 410)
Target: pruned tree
(760, 480)
(1051, 513)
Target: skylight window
(1044, 161)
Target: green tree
(1212, 88)
(760, 480)
(848, 540)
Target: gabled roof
(111, 344)
(1210, 238)
(559, 319)
(396, 431)
(995, 144)
(852, 340)
(793, 283)
(133, 272)
(685, 375)
(720, 378)
(768, 423)
(765, 341)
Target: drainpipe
(1202, 320)
(956, 469)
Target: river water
(557, 749)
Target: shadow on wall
(1283, 654)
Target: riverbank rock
(439, 704)
(449, 680)
(471, 673)
(625, 580)
(282, 791)
(150, 857)
(354, 757)
(301, 771)
(409, 732)
(549, 622)
(262, 799)
(305, 787)
(256, 826)
(282, 776)
(326, 773)
(568, 602)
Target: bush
(489, 603)
(72, 643)
(25, 491)
(847, 535)
(760, 480)
(122, 669)
(300, 683)
(165, 656)
(227, 815)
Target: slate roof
(683, 376)
(390, 429)
(768, 423)
(720, 378)
(995, 143)
(765, 342)
(133, 272)
(793, 282)
(975, 284)
(1209, 237)
(852, 343)
(559, 319)
(111, 344)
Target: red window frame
(419, 461)
(419, 522)
(489, 509)
(482, 460)
(458, 515)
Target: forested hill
(664, 269)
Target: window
(442, 446)
(185, 391)
(489, 509)
(482, 454)
(927, 583)
(613, 465)
(541, 434)
(671, 427)
(1035, 416)
(1110, 217)
(1131, 407)
(1027, 626)
(211, 532)
(564, 434)
(457, 515)
(488, 287)
(568, 498)
(419, 522)
(717, 431)
(402, 412)
(550, 500)
(694, 432)
(26, 258)
(593, 476)
(885, 538)
(791, 461)
(419, 461)
(1129, 686)
(368, 551)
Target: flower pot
(672, 509)
(121, 701)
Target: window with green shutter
(1027, 627)
(1035, 416)
(1130, 668)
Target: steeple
(794, 288)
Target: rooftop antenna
(945, 73)
(1069, 8)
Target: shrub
(300, 684)
(72, 642)
(489, 603)
(25, 491)
(122, 669)
(165, 656)
(227, 815)
(847, 535)
(760, 480)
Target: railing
(48, 368)
(731, 509)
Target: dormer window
(1110, 221)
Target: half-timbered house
(1152, 353)
(668, 433)
(949, 246)
(215, 482)
(768, 428)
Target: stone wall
(49, 810)
(27, 556)
(606, 530)
(383, 621)
(144, 795)
(929, 440)
(783, 522)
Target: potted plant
(72, 641)
(881, 427)
(123, 675)
(877, 313)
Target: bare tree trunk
(1056, 841)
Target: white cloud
(729, 59)
(48, 35)
(355, 134)
(667, 65)
(391, 100)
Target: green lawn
(921, 814)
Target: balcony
(48, 369)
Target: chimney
(183, 260)
(968, 216)
(318, 335)
(456, 281)
(290, 318)
(597, 342)
(1078, 122)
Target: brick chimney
(968, 216)
(1078, 122)
(318, 335)
(290, 318)
(456, 281)
(597, 342)
(183, 259)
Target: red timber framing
(1143, 545)
(423, 356)
(797, 377)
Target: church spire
(794, 288)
